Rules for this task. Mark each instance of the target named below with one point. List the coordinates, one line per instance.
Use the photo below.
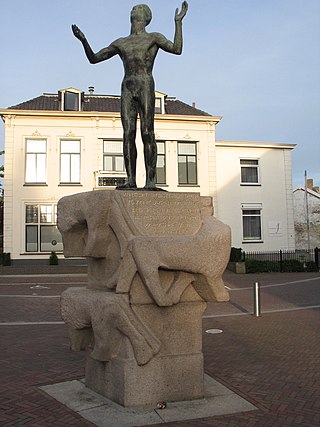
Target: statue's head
(141, 12)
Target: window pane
(36, 168)
(32, 214)
(119, 164)
(251, 227)
(161, 147)
(70, 146)
(251, 212)
(71, 101)
(107, 163)
(249, 162)
(50, 239)
(31, 169)
(46, 213)
(161, 170)
(112, 146)
(182, 170)
(249, 174)
(192, 170)
(31, 238)
(65, 168)
(75, 168)
(249, 170)
(158, 105)
(41, 168)
(186, 148)
(36, 146)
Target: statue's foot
(163, 300)
(142, 351)
(127, 186)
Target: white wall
(274, 194)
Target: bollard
(256, 299)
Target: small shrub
(6, 258)
(236, 255)
(311, 266)
(257, 266)
(292, 265)
(53, 259)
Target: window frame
(36, 222)
(164, 167)
(113, 155)
(251, 211)
(158, 105)
(255, 166)
(71, 156)
(194, 156)
(63, 99)
(36, 155)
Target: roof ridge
(101, 102)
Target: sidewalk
(272, 361)
(42, 269)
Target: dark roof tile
(103, 103)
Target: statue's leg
(129, 116)
(143, 351)
(147, 133)
(216, 285)
(110, 322)
(146, 258)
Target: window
(113, 156)
(42, 234)
(71, 101)
(158, 106)
(70, 162)
(36, 161)
(161, 163)
(251, 222)
(249, 171)
(187, 162)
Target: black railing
(110, 181)
(286, 260)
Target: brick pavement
(32, 356)
(272, 361)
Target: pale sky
(254, 62)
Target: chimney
(91, 90)
(310, 183)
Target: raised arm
(176, 46)
(102, 55)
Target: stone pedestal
(154, 260)
(175, 373)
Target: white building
(69, 142)
(307, 216)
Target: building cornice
(251, 144)
(98, 114)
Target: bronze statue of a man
(138, 52)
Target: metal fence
(284, 260)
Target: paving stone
(273, 361)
